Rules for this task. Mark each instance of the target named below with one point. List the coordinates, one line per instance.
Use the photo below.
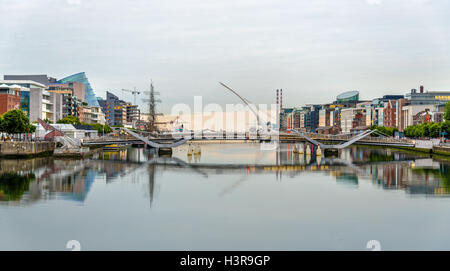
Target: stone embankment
(26, 148)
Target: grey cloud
(311, 49)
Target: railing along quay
(282, 137)
(344, 138)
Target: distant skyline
(313, 50)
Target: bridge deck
(283, 137)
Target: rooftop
(347, 94)
(438, 91)
(29, 82)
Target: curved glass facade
(89, 92)
(349, 96)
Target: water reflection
(14, 185)
(220, 201)
(31, 180)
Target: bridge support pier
(331, 152)
(165, 152)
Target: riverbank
(24, 149)
(43, 149)
(442, 150)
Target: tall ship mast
(152, 101)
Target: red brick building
(9, 98)
(392, 116)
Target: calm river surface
(231, 197)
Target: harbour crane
(134, 92)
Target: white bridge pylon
(258, 118)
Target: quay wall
(441, 150)
(22, 148)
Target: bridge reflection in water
(49, 179)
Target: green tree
(108, 129)
(99, 127)
(447, 111)
(13, 185)
(69, 120)
(389, 131)
(411, 131)
(432, 129)
(16, 122)
(435, 129)
(446, 127)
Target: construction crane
(134, 92)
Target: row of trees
(16, 122)
(96, 126)
(431, 129)
(427, 129)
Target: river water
(229, 197)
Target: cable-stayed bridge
(176, 139)
(172, 140)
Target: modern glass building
(349, 96)
(25, 102)
(89, 92)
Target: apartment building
(36, 101)
(9, 98)
(133, 113)
(91, 115)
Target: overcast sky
(312, 49)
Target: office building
(71, 103)
(133, 113)
(89, 95)
(409, 112)
(78, 89)
(37, 102)
(286, 118)
(353, 118)
(392, 116)
(9, 97)
(114, 109)
(39, 78)
(429, 97)
(348, 97)
(309, 118)
(325, 118)
(91, 114)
